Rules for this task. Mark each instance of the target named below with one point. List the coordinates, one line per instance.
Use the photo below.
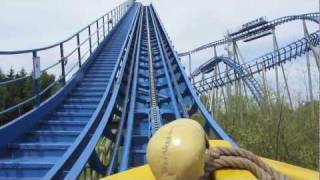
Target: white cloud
(190, 23)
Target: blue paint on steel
(167, 69)
(241, 71)
(186, 89)
(142, 121)
(89, 137)
(265, 62)
(251, 83)
(249, 25)
(166, 72)
(57, 139)
(131, 115)
(63, 59)
(47, 141)
(313, 17)
(113, 162)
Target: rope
(227, 158)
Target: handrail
(97, 122)
(273, 23)
(12, 108)
(109, 20)
(11, 81)
(63, 41)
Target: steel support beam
(276, 49)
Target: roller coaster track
(130, 85)
(241, 71)
(313, 17)
(157, 65)
(265, 62)
(55, 140)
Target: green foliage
(15, 93)
(275, 131)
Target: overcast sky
(190, 23)
(34, 23)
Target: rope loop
(226, 158)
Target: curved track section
(256, 31)
(267, 61)
(54, 140)
(238, 69)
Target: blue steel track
(132, 83)
(246, 70)
(127, 88)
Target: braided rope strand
(227, 158)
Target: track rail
(56, 140)
(131, 85)
(87, 40)
(265, 62)
(152, 98)
(115, 102)
(313, 17)
(159, 83)
(239, 70)
(154, 108)
(190, 99)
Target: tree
(11, 74)
(284, 134)
(45, 81)
(21, 90)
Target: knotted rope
(227, 158)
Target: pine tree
(17, 92)
(11, 74)
(2, 75)
(2, 91)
